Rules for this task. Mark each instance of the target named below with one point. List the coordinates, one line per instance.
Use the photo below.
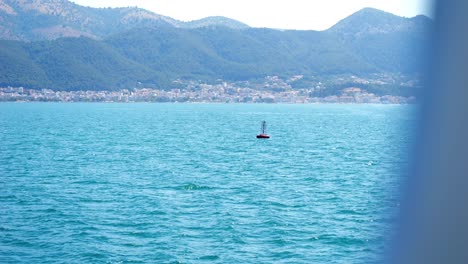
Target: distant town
(195, 92)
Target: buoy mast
(263, 134)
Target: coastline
(351, 95)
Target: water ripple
(151, 183)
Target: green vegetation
(39, 20)
(156, 55)
(67, 64)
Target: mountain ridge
(375, 21)
(366, 44)
(45, 20)
(216, 21)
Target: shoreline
(209, 96)
(199, 103)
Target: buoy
(263, 134)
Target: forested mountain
(154, 50)
(51, 19)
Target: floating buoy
(263, 134)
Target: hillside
(215, 21)
(34, 20)
(367, 44)
(369, 21)
(67, 64)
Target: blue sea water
(190, 183)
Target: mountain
(367, 44)
(215, 21)
(33, 20)
(67, 63)
(370, 21)
(392, 43)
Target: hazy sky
(284, 14)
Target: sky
(280, 14)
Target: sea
(191, 183)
